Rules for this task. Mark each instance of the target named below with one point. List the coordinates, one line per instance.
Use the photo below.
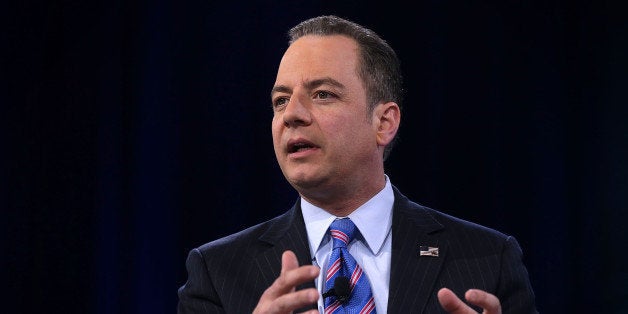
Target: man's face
(324, 138)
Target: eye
(280, 102)
(323, 95)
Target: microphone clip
(341, 289)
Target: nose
(296, 112)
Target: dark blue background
(136, 131)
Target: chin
(304, 182)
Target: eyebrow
(308, 85)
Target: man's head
(328, 133)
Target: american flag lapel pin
(425, 250)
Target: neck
(342, 201)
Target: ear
(386, 119)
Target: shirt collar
(374, 216)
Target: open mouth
(299, 146)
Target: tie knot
(342, 231)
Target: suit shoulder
(469, 238)
(462, 224)
(453, 225)
(433, 220)
(239, 240)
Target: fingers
(288, 303)
(485, 300)
(292, 275)
(281, 296)
(288, 261)
(452, 304)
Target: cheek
(275, 129)
(351, 127)
(274, 126)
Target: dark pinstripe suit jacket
(230, 274)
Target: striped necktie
(341, 263)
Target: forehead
(315, 56)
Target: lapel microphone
(341, 289)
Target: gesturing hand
(452, 304)
(282, 297)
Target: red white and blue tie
(341, 263)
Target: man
(336, 103)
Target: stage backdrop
(136, 131)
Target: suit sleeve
(198, 295)
(515, 291)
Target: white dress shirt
(372, 250)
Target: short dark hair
(378, 67)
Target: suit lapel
(286, 232)
(413, 276)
